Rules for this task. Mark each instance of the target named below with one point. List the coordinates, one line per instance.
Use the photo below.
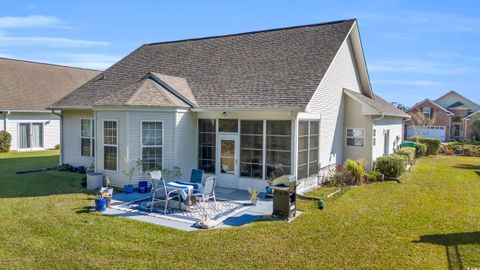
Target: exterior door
(386, 145)
(24, 136)
(30, 135)
(228, 151)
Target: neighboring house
(26, 89)
(244, 107)
(447, 118)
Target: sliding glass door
(30, 135)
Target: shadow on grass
(36, 184)
(451, 242)
(475, 168)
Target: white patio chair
(207, 193)
(160, 191)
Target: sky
(414, 49)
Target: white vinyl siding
(51, 127)
(71, 148)
(328, 101)
(185, 142)
(394, 126)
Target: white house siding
(185, 151)
(355, 119)
(71, 146)
(329, 102)
(129, 139)
(395, 126)
(51, 127)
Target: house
(449, 117)
(26, 89)
(245, 107)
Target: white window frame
(308, 136)
(147, 146)
(111, 145)
(91, 137)
(429, 110)
(30, 135)
(353, 137)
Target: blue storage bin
(100, 204)
(143, 186)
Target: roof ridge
(47, 64)
(250, 32)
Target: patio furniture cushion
(185, 190)
(196, 176)
(196, 186)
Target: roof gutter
(60, 160)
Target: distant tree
(476, 126)
(419, 120)
(400, 106)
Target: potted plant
(102, 201)
(107, 187)
(132, 169)
(253, 196)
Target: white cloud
(10, 41)
(419, 66)
(30, 21)
(89, 60)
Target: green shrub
(373, 176)
(391, 166)
(5, 141)
(409, 152)
(433, 145)
(356, 169)
(420, 149)
(57, 146)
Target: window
(110, 145)
(30, 135)
(206, 145)
(308, 145)
(228, 125)
(278, 148)
(152, 142)
(251, 149)
(355, 137)
(374, 137)
(87, 138)
(427, 112)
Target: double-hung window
(427, 112)
(356, 137)
(87, 138)
(308, 148)
(110, 145)
(152, 146)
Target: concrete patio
(245, 213)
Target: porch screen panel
(313, 147)
(302, 168)
(152, 144)
(279, 138)
(251, 148)
(206, 145)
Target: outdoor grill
(285, 198)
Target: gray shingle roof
(379, 104)
(267, 69)
(26, 85)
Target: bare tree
(419, 122)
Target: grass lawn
(430, 220)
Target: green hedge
(392, 166)
(420, 149)
(409, 152)
(433, 145)
(5, 141)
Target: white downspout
(5, 117)
(60, 160)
